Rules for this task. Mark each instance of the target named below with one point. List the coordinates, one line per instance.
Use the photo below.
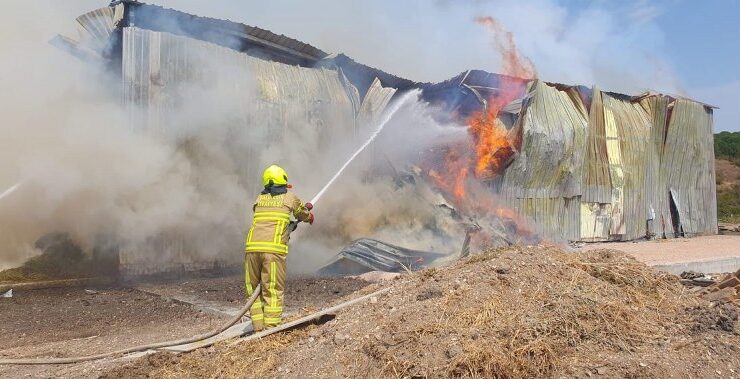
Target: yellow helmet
(274, 175)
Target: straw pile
(508, 313)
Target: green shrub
(727, 146)
(728, 205)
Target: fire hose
(201, 337)
(292, 227)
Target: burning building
(574, 163)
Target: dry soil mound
(517, 312)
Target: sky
(680, 47)
(710, 65)
(676, 46)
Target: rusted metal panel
(98, 24)
(375, 100)
(556, 218)
(634, 164)
(595, 221)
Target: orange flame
(514, 64)
(491, 148)
(453, 180)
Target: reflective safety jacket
(269, 232)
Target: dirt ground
(592, 314)
(510, 313)
(226, 294)
(728, 174)
(72, 321)
(677, 250)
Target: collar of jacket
(275, 190)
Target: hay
(509, 313)
(60, 258)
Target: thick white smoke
(83, 170)
(615, 45)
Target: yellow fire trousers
(269, 270)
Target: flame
(491, 144)
(453, 179)
(494, 150)
(490, 147)
(514, 63)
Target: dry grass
(509, 313)
(517, 314)
(256, 359)
(610, 303)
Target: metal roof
(213, 30)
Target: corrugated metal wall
(613, 172)
(544, 181)
(609, 172)
(660, 212)
(630, 126)
(688, 164)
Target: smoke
(85, 171)
(617, 46)
(383, 195)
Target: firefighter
(266, 246)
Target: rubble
(692, 278)
(365, 255)
(726, 289)
(726, 228)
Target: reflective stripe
(273, 320)
(267, 247)
(251, 230)
(279, 215)
(258, 317)
(275, 219)
(273, 282)
(256, 246)
(256, 250)
(269, 309)
(275, 236)
(248, 282)
(269, 213)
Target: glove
(309, 206)
(310, 218)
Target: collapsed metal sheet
(365, 254)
